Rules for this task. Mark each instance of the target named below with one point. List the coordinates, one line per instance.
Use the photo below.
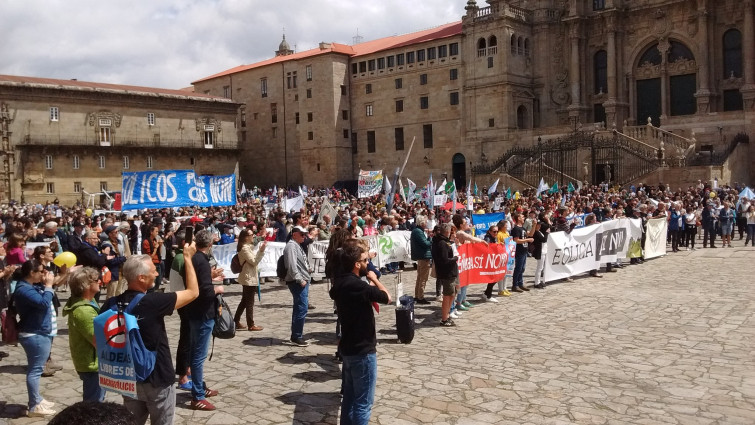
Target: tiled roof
(15, 80)
(360, 49)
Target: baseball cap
(298, 229)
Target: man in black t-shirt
(520, 258)
(156, 396)
(358, 342)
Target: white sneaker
(41, 410)
(454, 315)
(47, 404)
(492, 300)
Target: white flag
(493, 187)
(442, 188)
(388, 186)
(412, 190)
(401, 190)
(542, 187)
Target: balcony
(131, 142)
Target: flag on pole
(301, 192)
(411, 192)
(563, 200)
(493, 187)
(541, 187)
(570, 188)
(508, 193)
(475, 189)
(441, 188)
(553, 189)
(450, 188)
(387, 187)
(470, 200)
(401, 190)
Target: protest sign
(326, 209)
(394, 247)
(655, 238)
(293, 204)
(511, 250)
(635, 238)
(176, 188)
(115, 365)
(316, 259)
(269, 261)
(370, 183)
(481, 263)
(440, 200)
(483, 222)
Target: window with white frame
(125, 162)
(54, 113)
(104, 131)
(103, 186)
(76, 187)
(368, 110)
(50, 188)
(76, 162)
(102, 161)
(308, 70)
(150, 118)
(48, 162)
(263, 87)
(149, 162)
(209, 136)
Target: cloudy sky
(170, 43)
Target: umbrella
(450, 204)
(747, 193)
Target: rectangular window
(399, 83)
(354, 143)
(409, 57)
(454, 98)
(296, 117)
(421, 55)
(442, 51)
(422, 79)
(263, 87)
(400, 105)
(50, 188)
(227, 91)
(103, 186)
(308, 72)
(243, 117)
(430, 53)
(491, 122)
(310, 117)
(274, 132)
(370, 142)
(343, 90)
(368, 88)
(294, 77)
(309, 93)
(345, 133)
(288, 80)
(453, 74)
(104, 136)
(381, 63)
(368, 110)
(427, 135)
(48, 162)
(391, 61)
(598, 4)
(453, 49)
(400, 59)
(399, 136)
(310, 135)
(490, 61)
(125, 163)
(54, 113)
(149, 162)
(354, 68)
(424, 102)
(150, 118)
(371, 65)
(363, 66)
(76, 187)
(101, 161)
(733, 100)
(209, 136)
(345, 114)
(76, 162)
(274, 113)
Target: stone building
(66, 138)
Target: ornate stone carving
(732, 83)
(692, 23)
(559, 92)
(661, 24)
(94, 118)
(681, 66)
(648, 70)
(201, 122)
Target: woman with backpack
(248, 258)
(36, 328)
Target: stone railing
(658, 137)
(518, 13)
(135, 142)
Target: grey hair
(50, 225)
(204, 238)
(89, 233)
(421, 221)
(81, 279)
(135, 266)
(445, 228)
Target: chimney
(324, 46)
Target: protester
(446, 270)
(249, 257)
(422, 254)
(298, 280)
(520, 257)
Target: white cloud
(169, 43)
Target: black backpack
(225, 327)
(280, 269)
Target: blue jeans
(359, 379)
(200, 334)
(92, 389)
(520, 261)
(37, 348)
(462, 295)
(301, 303)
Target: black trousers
(709, 233)
(183, 351)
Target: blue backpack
(123, 358)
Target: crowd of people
(174, 275)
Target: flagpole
(397, 175)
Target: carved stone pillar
(748, 39)
(703, 92)
(663, 47)
(612, 105)
(577, 107)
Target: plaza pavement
(671, 341)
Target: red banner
(480, 263)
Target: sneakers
(525, 289)
(454, 315)
(491, 300)
(468, 304)
(447, 323)
(504, 293)
(462, 307)
(516, 289)
(186, 386)
(201, 405)
(40, 410)
(299, 342)
(210, 393)
(422, 301)
(47, 404)
(539, 286)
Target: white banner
(440, 200)
(223, 255)
(316, 259)
(370, 183)
(655, 239)
(635, 238)
(326, 208)
(585, 249)
(294, 204)
(394, 247)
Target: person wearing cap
(298, 281)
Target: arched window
(600, 70)
(651, 56)
(678, 74)
(519, 46)
(522, 120)
(679, 51)
(527, 47)
(732, 54)
(513, 44)
(492, 41)
(481, 44)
